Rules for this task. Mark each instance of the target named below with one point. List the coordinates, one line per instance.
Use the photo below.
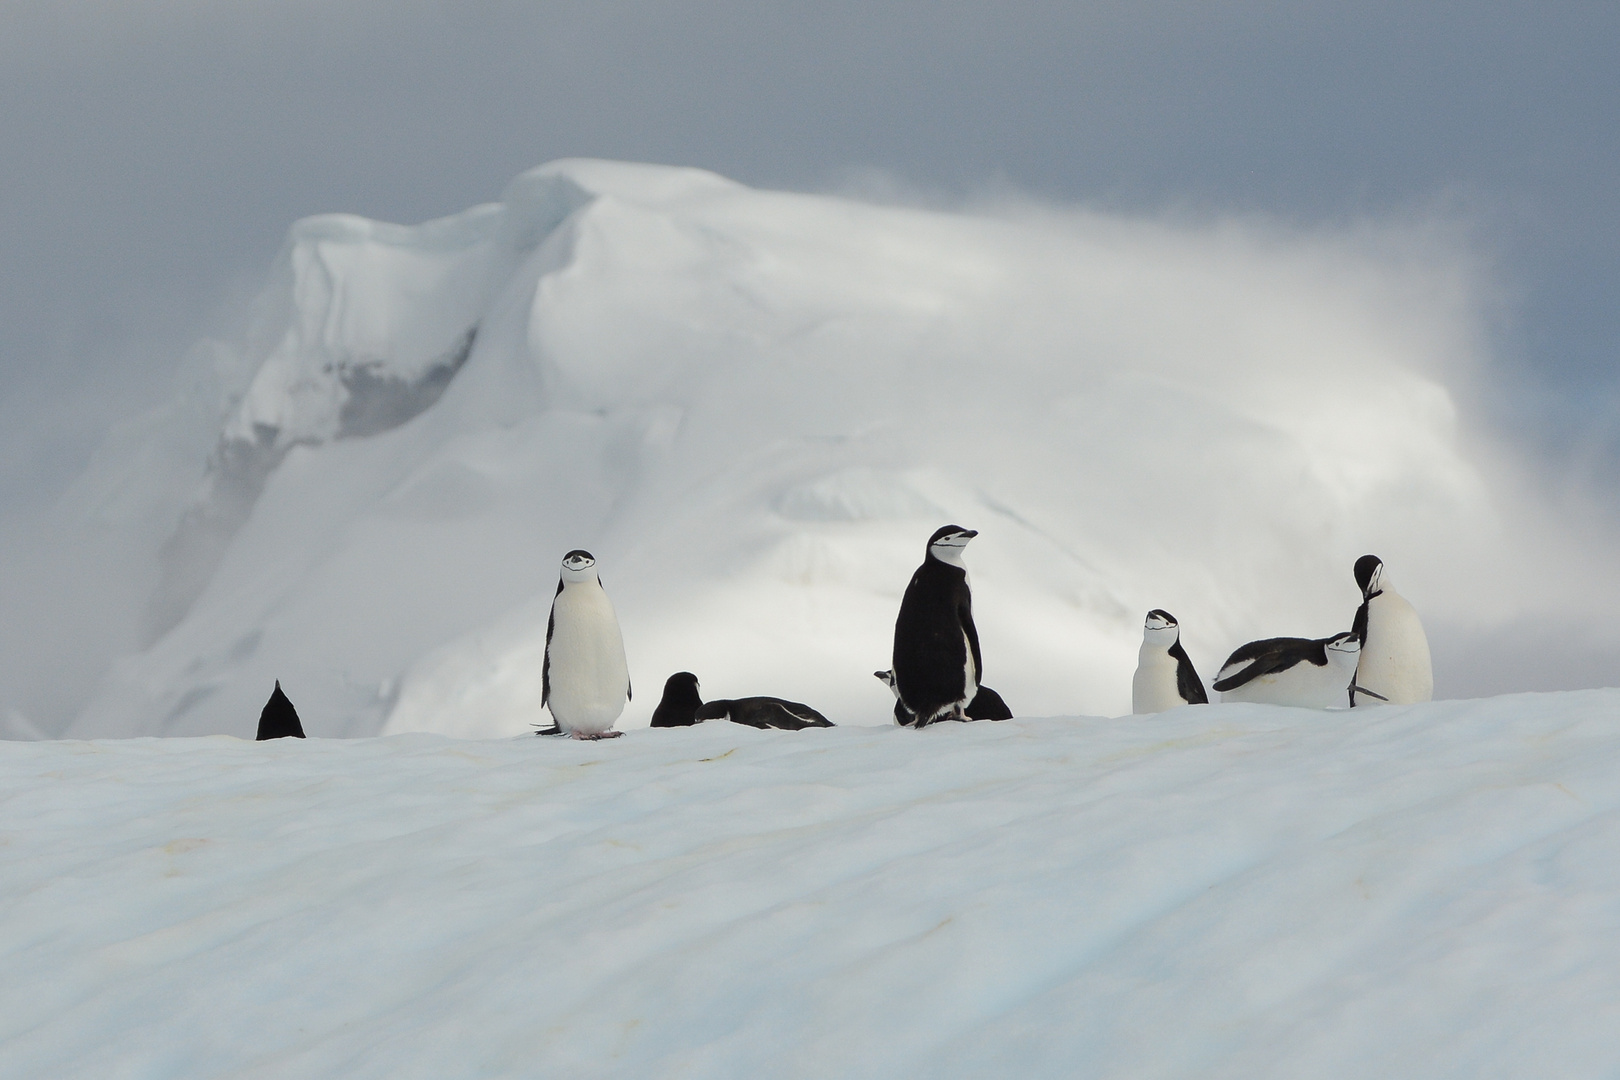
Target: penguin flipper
(805, 713)
(1188, 684)
(712, 710)
(545, 665)
(1264, 657)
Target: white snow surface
(754, 407)
(1236, 891)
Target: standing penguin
(585, 680)
(1303, 672)
(936, 647)
(1165, 676)
(1395, 665)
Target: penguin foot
(954, 713)
(599, 735)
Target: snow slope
(755, 406)
(1225, 891)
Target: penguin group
(1382, 659)
(936, 665)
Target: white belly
(1153, 689)
(1395, 657)
(970, 678)
(589, 674)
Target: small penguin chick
(1165, 677)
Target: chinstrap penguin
(762, 712)
(279, 720)
(1164, 676)
(1304, 672)
(986, 704)
(682, 706)
(936, 660)
(1395, 665)
(678, 706)
(585, 680)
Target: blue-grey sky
(156, 151)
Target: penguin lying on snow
(585, 679)
(936, 646)
(1394, 664)
(682, 706)
(986, 704)
(1304, 672)
(1164, 676)
(762, 712)
(279, 720)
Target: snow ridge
(1219, 891)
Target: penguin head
(887, 679)
(1344, 648)
(681, 682)
(1370, 575)
(578, 565)
(948, 541)
(1161, 628)
(682, 688)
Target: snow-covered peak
(755, 406)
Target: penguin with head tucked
(936, 646)
(1303, 672)
(585, 680)
(1395, 666)
(679, 705)
(1164, 676)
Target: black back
(279, 720)
(1188, 684)
(929, 656)
(987, 705)
(1272, 655)
(763, 712)
(678, 707)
